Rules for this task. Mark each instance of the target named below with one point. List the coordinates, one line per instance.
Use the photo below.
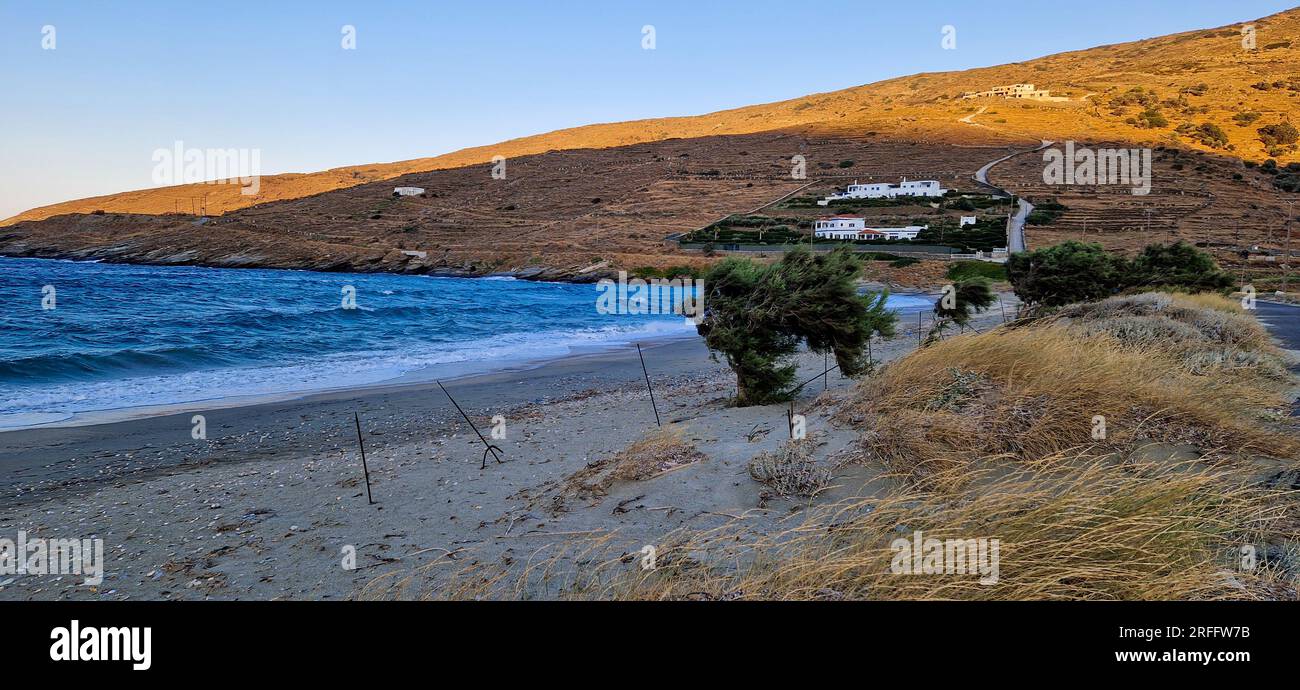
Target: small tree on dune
(757, 315)
(967, 298)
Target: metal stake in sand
(364, 468)
(490, 448)
(647, 385)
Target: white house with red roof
(855, 228)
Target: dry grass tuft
(790, 471)
(1206, 332)
(660, 451)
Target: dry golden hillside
(1192, 79)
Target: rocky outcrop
(160, 240)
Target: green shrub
(1280, 134)
(1246, 118)
(1046, 212)
(963, 270)
(646, 272)
(1211, 134)
(1151, 118)
(1066, 273)
(1179, 265)
(1287, 182)
(1135, 96)
(1077, 272)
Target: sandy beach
(270, 503)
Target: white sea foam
(336, 371)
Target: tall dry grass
(1067, 530)
(1034, 391)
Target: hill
(607, 194)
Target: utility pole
(1290, 213)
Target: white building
(855, 228)
(1020, 91)
(908, 233)
(408, 191)
(884, 190)
(839, 227)
(968, 220)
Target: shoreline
(58, 454)
(419, 378)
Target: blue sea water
(125, 336)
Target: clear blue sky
(429, 77)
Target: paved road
(1016, 224)
(1283, 321)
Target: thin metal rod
(800, 386)
(647, 385)
(490, 448)
(361, 444)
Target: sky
(125, 79)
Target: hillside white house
(908, 233)
(408, 191)
(855, 228)
(885, 190)
(1018, 91)
(839, 227)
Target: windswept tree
(960, 303)
(758, 315)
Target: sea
(87, 337)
